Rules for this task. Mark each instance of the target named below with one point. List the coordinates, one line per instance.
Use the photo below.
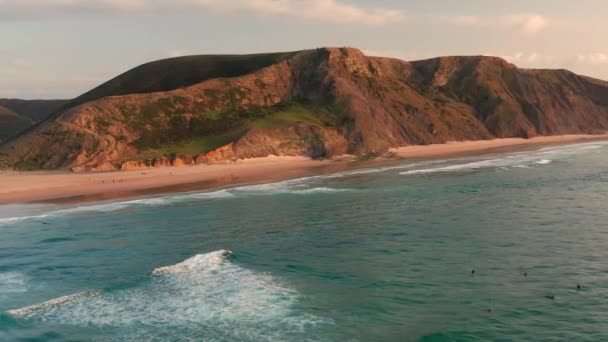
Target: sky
(62, 48)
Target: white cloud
(596, 58)
(532, 60)
(527, 23)
(592, 64)
(334, 11)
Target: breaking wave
(7, 220)
(300, 186)
(316, 185)
(541, 157)
(207, 294)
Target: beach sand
(64, 186)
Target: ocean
(487, 248)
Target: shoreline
(67, 187)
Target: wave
(21, 218)
(358, 172)
(459, 167)
(299, 186)
(207, 292)
(201, 261)
(540, 157)
(114, 206)
(48, 305)
(519, 161)
(154, 201)
(574, 147)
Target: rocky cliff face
(317, 103)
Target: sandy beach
(64, 186)
(489, 146)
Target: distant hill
(16, 115)
(179, 72)
(11, 123)
(316, 103)
(35, 110)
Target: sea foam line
(210, 260)
(296, 187)
(207, 291)
(32, 309)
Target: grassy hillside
(321, 103)
(179, 72)
(210, 130)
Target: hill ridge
(317, 103)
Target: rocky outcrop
(297, 140)
(315, 103)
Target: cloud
(596, 58)
(527, 23)
(532, 60)
(333, 11)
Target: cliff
(317, 103)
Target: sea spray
(206, 291)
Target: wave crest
(205, 293)
(198, 262)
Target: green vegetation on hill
(198, 145)
(208, 131)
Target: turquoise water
(379, 254)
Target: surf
(206, 291)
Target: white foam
(8, 220)
(543, 156)
(318, 190)
(459, 167)
(114, 206)
(574, 147)
(296, 187)
(207, 292)
(33, 309)
(154, 201)
(377, 170)
(12, 282)
(198, 262)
